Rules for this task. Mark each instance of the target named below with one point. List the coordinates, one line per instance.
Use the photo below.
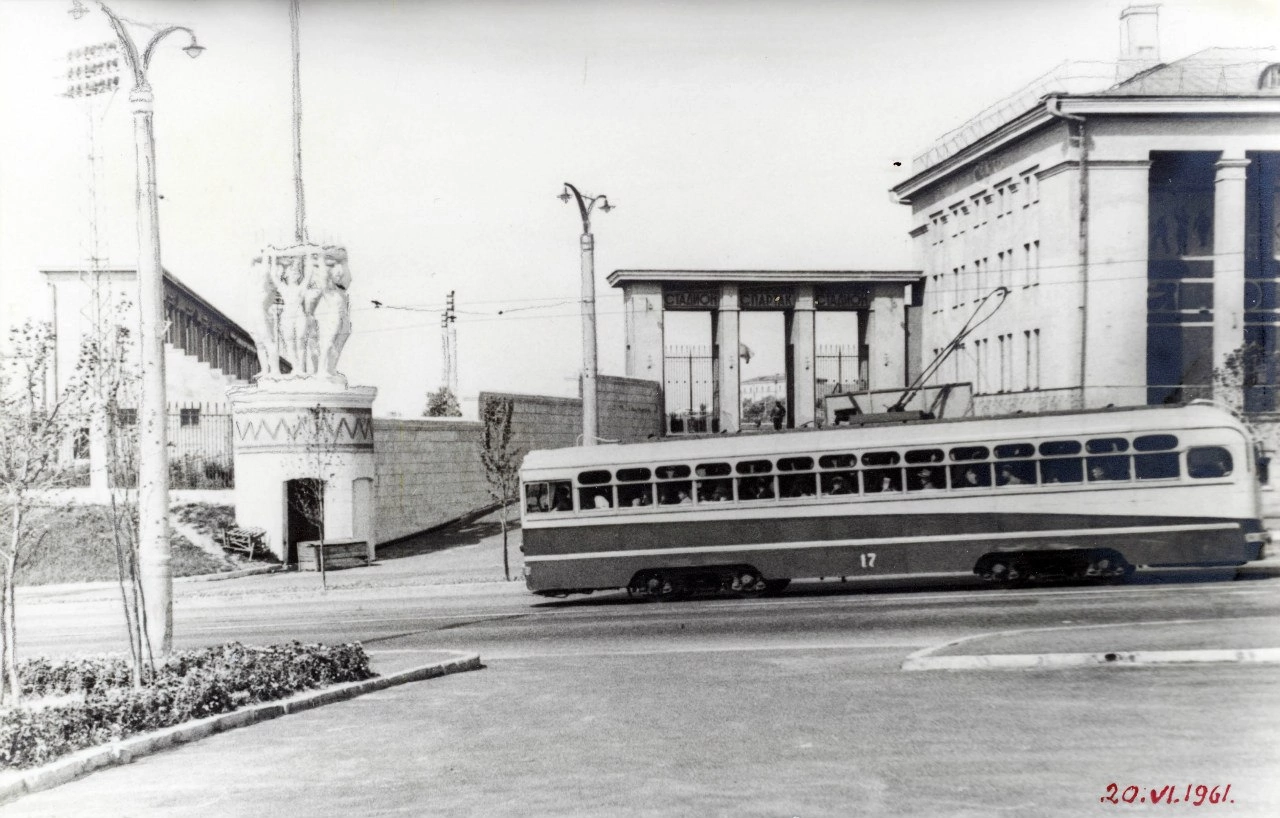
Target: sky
(437, 134)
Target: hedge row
(188, 685)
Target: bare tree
(320, 435)
(33, 429)
(107, 363)
(501, 461)
(1245, 383)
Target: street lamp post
(153, 455)
(590, 408)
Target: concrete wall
(429, 473)
(429, 469)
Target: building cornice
(1086, 105)
(619, 277)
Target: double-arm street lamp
(590, 409)
(153, 455)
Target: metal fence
(691, 390)
(200, 442)
(836, 369)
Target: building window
(189, 416)
(127, 417)
(1270, 79)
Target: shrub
(188, 685)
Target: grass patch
(79, 547)
(207, 518)
(94, 702)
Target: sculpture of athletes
(300, 308)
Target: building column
(728, 339)
(1228, 255)
(887, 343)
(802, 411)
(642, 308)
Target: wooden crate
(338, 554)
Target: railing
(200, 447)
(691, 390)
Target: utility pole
(153, 434)
(590, 405)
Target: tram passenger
(839, 485)
(601, 501)
(1006, 477)
(563, 500)
(926, 479)
(887, 484)
(682, 497)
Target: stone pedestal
(278, 439)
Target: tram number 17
(868, 559)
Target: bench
(244, 540)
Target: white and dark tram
(1012, 499)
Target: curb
(1031, 661)
(237, 574)
(15, 785)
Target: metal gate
(691, 390)
(836, 369)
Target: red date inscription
(1195, 795)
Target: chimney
(1139, 39)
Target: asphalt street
(795, 705)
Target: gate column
(887, 364)
(727, 340)
(643, 310)
(801, 340)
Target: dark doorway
(303, 502)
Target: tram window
(880, 459)
(1105, 445)
(972, 476)
(1209, 461)
(594, 478)
(970, 453)
(840, 483)
(712, 470)
(1155, 466)
(795, 464)
(797, 485)
(637, 475)
(551, 496)
(1054, 448)
(755, 467)
(675, 493)
(671, 472)
(1061, 470)
(595, 497)
(1101, 469)
(1007, 450)
(838, 461)
(1017, 472)
(1155, 443)
(878, 480)
(924, 478)
(924, 456)
(715, 491)
(755, 488)
(635, 494)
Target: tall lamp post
(153, 456)
(590, 409)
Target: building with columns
(1131, 214)
(881, 299)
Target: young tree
(33, 430)
(321, 436)
(501, 461)
(108, 367)
(442, 404)
(1245, 383)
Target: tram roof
(1094, 422)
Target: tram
(1012, 499)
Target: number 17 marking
(868, 559)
